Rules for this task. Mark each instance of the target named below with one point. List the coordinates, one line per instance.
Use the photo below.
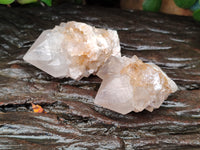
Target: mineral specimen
(77, 50)
(73, 50)
(131, 85)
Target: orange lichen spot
(37, 108)
(15, 66)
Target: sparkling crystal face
(73, 50)
(131, 85)
(46, 54)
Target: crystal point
(131, 85)
(73, 49)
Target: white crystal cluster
(73, 50)
(131, 85)
(77, 50)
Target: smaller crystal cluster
(131, 85)
(77, 50)
(73, 49)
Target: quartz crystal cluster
(73, 50)
(77, 50)
(131, 85)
